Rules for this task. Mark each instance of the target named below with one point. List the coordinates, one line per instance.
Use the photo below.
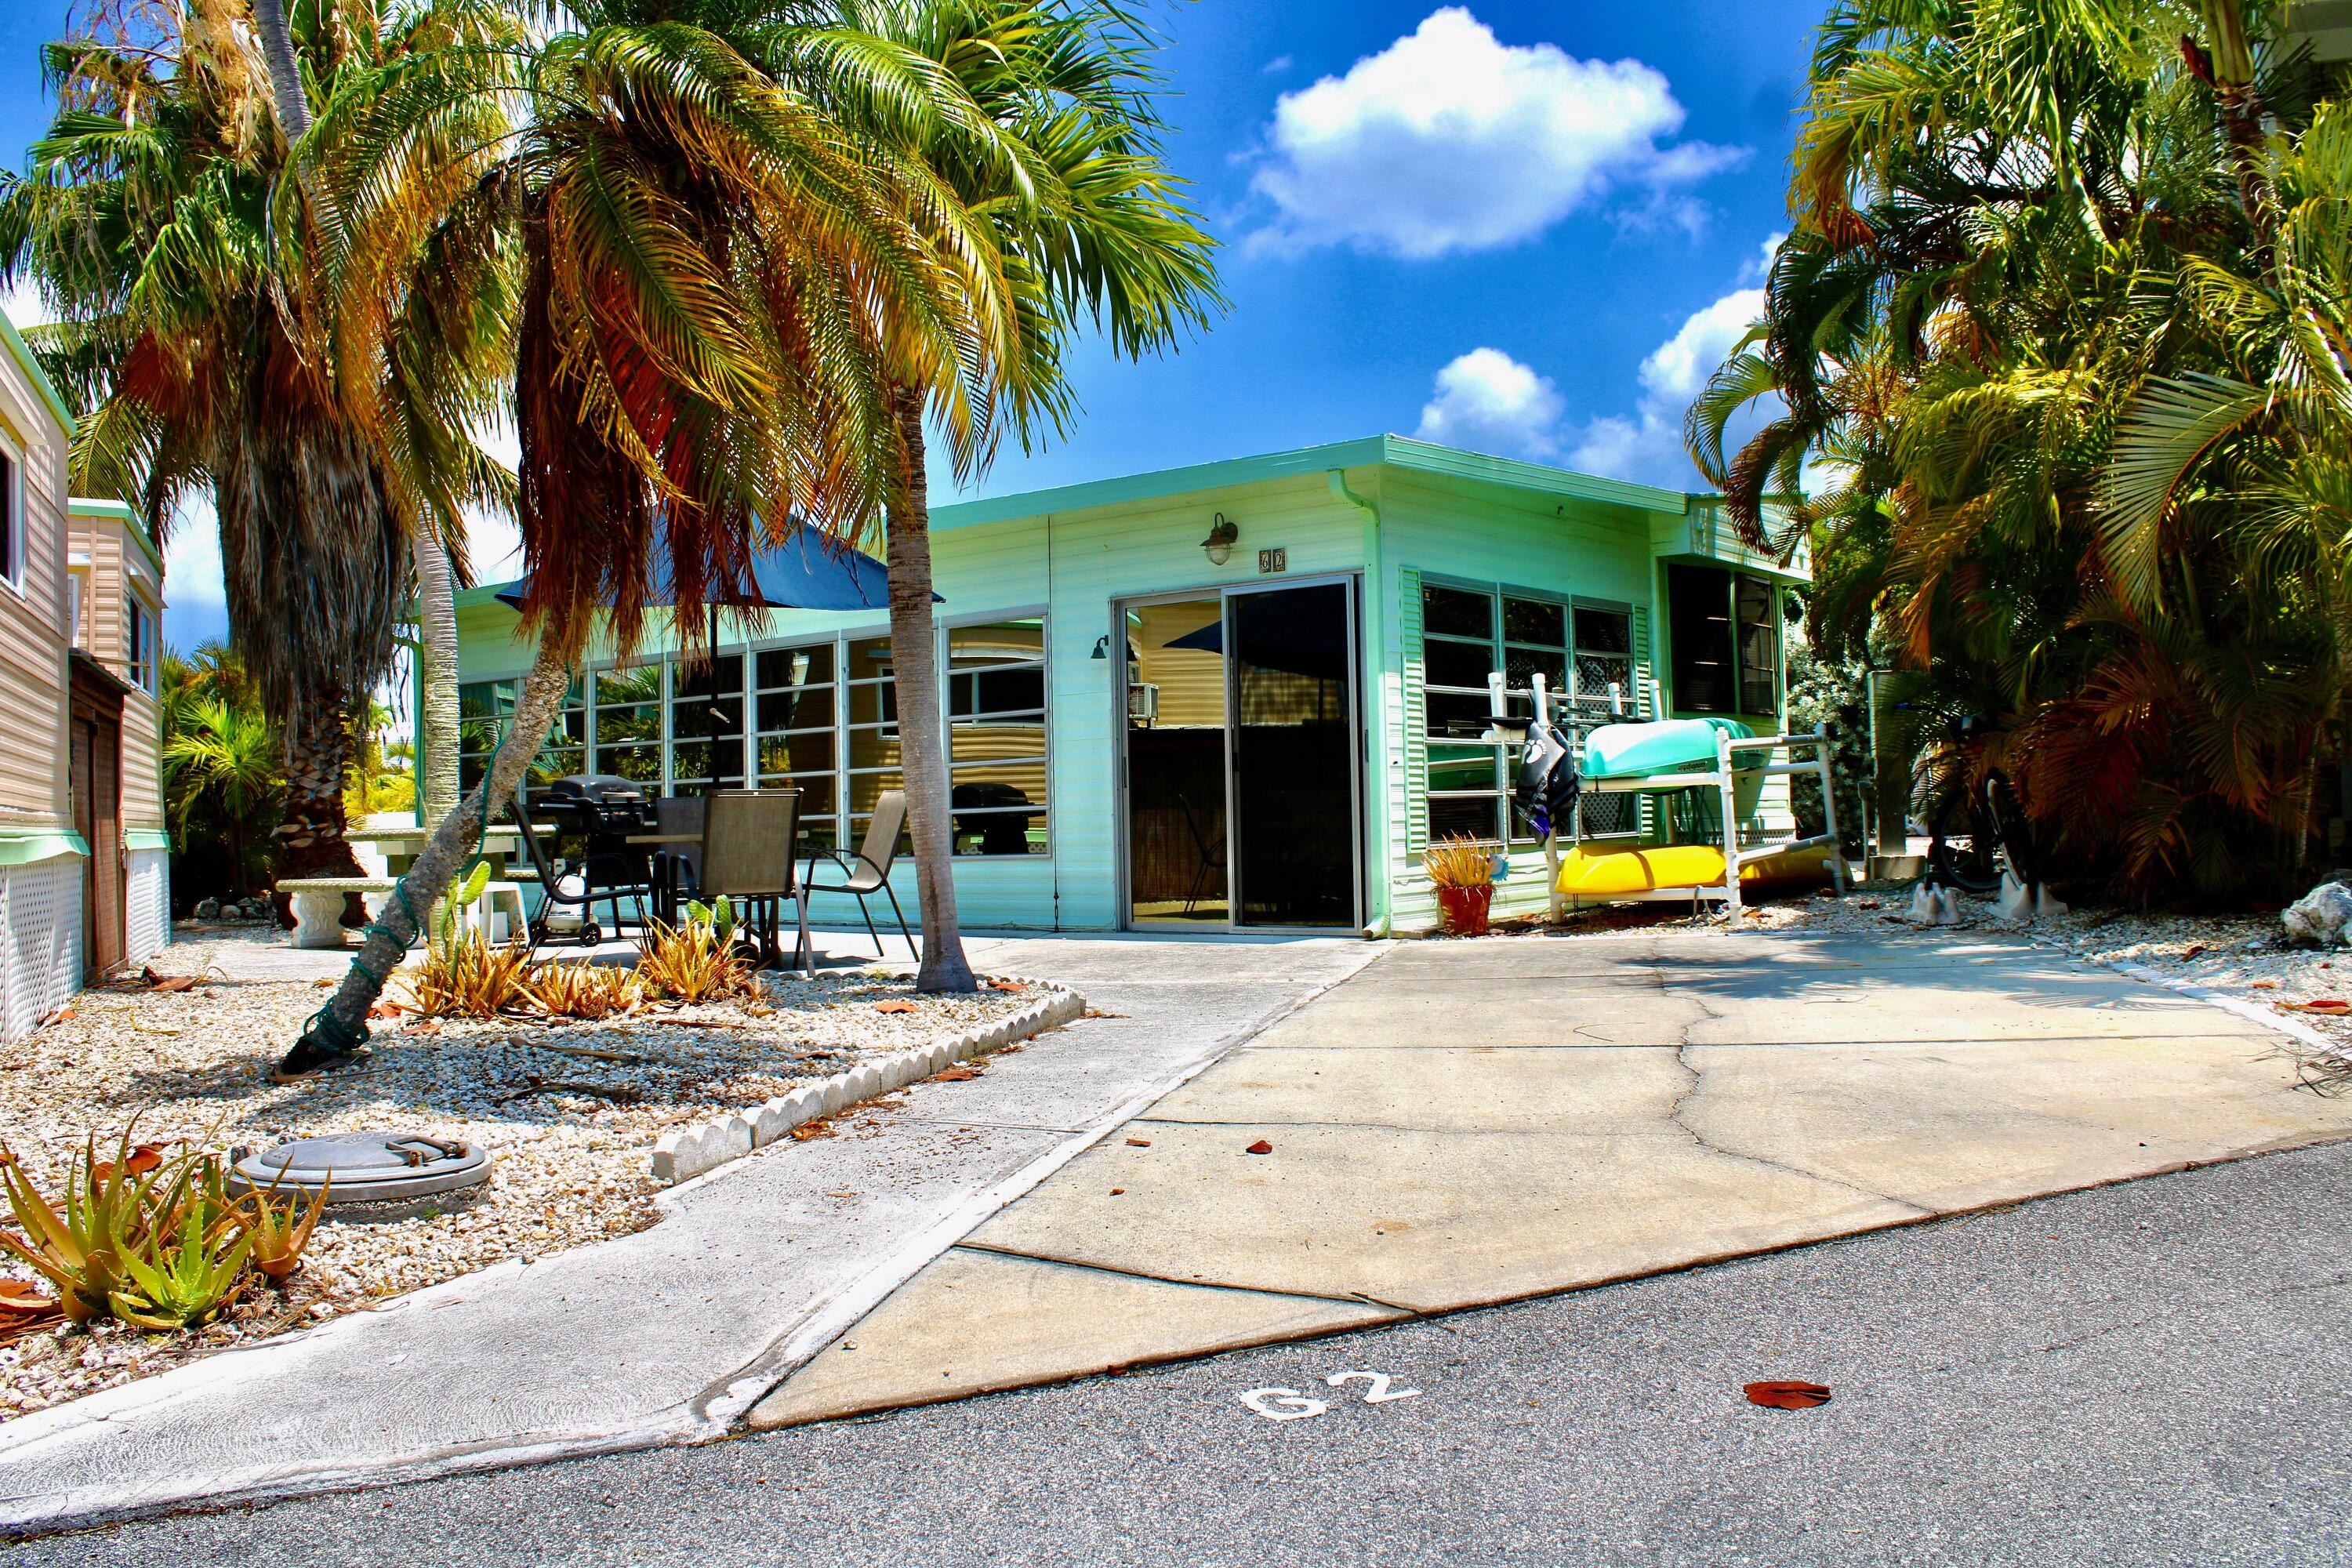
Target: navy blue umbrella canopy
(809, 571)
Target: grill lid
(365, 1167)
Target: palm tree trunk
(312, 841)
(914, 663)
(341, 1027)
(436, 659)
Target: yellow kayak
(1587, 873)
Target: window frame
(1738, 672)
(847, 826)
(1571, 704)
(14, 555)
(139, 632)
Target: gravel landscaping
(570, 1110)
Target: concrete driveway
(1463, 1123)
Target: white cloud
(1489, 401)
(23, 305)
(493, 541)
(1760, 266)
(1648, 444)
(195, 600)
(1449, 140)
(1276, 66)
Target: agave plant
(692, 963)
(276, 1233)
(79, 1244)
(582, 990)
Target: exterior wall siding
(32, 617)
(116, 567)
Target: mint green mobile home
(1239, 696)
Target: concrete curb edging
(689, 1152)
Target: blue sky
(1531, 229)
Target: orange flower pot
(1463, 910)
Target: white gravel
(570, 1167)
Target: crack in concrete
(1698, 1076)
(1352, 1298)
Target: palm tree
(156, 219)
(2071, 345)
(718, 282)
(220, 762)
(1089, 226)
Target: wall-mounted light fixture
(1220, 543)
(1102, 647)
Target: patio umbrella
(1292, 644)
(809, 571)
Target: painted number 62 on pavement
(1289, 1404)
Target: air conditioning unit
(1143, 701)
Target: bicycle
(1978, 828)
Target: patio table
(664, 883)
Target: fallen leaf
(1138, 1143)
(2262, 985)
(18, 1296)
(894, 1006)
(59, 1017)
(1006, 985)
(2319, 1004)
(1261, 1147)
(1118, 1191)
(2193, 950)
(1786, 1394)
(957, 1075)
(425, 1026)
(323, 985)
(1099, 1013)
(145, 1158)
(1867, 904)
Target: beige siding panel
(32, 685)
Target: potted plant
(1462, 872)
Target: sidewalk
(669, 1334)
(1461, 1124)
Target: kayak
(1587, 873)
(1660, 746)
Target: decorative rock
(207, 909)
(2321, 917)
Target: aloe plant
(277, 1233)
(79, 1244)
(187, 1276)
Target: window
(1727, 641)
(706, 725)
(996, 737)
(482, 710)
(141, 652)
(1582, 651)
(821, 717)
(797, 708)
(12, 518)
(628, 725)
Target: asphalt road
(2160, 1373)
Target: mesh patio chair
(865, 874)
(746, 855)
(679, 865)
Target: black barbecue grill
(577, 834)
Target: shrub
(468, 977)
(582, 990)
(692, 963)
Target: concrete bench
(318, 904)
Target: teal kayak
(1663, 746)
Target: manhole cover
(366, 1167)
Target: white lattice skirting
(40, 942)
(147, 916)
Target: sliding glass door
(1243, 785)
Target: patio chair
(679, 865)
(1213, 854)
(746, 855)
(552, 871)
(865, 874)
